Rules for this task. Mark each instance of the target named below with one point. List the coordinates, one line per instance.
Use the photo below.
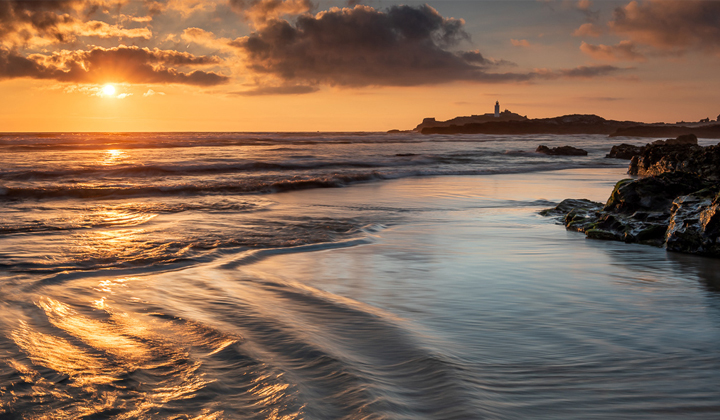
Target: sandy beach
(458, 301)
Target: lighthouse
(497, 109)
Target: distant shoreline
(569, 124)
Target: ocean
(336, 276)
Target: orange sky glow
(301, 65)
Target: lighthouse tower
(497, 109)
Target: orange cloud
(120, 64)
(184, 7)
(588, 29)
(258, 12)
(51, 22)
(624, 51)
(524, 43)
(671, 24)
(584, 4)
(208, 39)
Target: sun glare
(108, 90)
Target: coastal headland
(514, 124)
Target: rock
(651, 211)
(694, 225)
(676, 204)
(653, 194)
(628, 151)
(624, 151)
(572, 204)
(683, 139)
(658, 159)
(561, 151)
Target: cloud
(278, 90)
(588, 29)
(671, 25)
(54, 22)
(207, 39)
(120, 65)
(524, 43)
(477, 58)
(581, 72)
(362, 46)
(151, 92)
(258, 12)
(584, 7)
(624, 51)
(184, 7)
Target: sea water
(336, 275)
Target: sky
(303, 65)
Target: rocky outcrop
(638, 211)
(624, 151)
(628, 151)
(677, 206)
(684, 139)
(656, 159)
(561, 151)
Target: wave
(240, 187)
(296, 163)
(190, 170)
(259, 184)
(114, 216)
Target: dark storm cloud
(102, 65)
(671, 24)
(403, 46)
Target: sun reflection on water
(113, 156)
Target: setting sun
(108, 90)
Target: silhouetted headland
(507, 122)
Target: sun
(108, 90)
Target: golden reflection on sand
(102, 336)
(83, 368)
(271, 391)
(118, 344)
